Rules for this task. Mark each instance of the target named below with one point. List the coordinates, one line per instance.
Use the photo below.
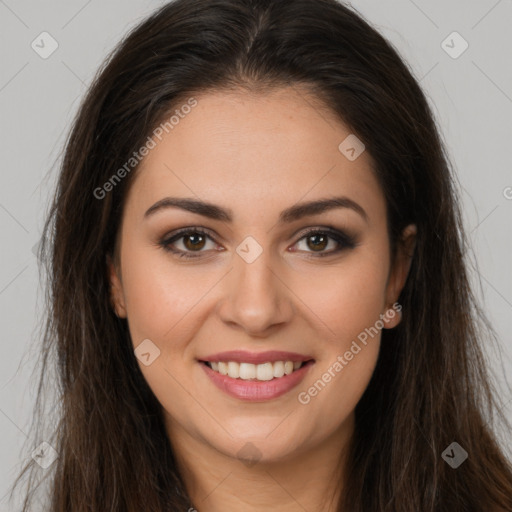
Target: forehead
(256, 149)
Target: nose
(256, 297)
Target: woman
(258, 293)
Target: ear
(398, 275)
(116, 289)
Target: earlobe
(116, 290)
(393, 316)
(405, 252)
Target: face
(256, 273)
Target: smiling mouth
(257, 372)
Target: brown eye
(188, 243)
(325, 242)
(317, 242)
(194, 241)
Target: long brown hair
(430, 387)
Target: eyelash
(344, 241)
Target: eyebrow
(291, 214)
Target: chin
(261, 451)
(259, 445)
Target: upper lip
(242, 356)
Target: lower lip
(257, 390)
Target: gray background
(471, 96)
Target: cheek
(347, 298)
(160, 298)
(349, 301)
(159, 293)
(350, 308)
(333, 392)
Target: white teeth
(246, 371)
(233, 370)
(278, 369)
(264, 371)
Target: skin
(257, 154)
